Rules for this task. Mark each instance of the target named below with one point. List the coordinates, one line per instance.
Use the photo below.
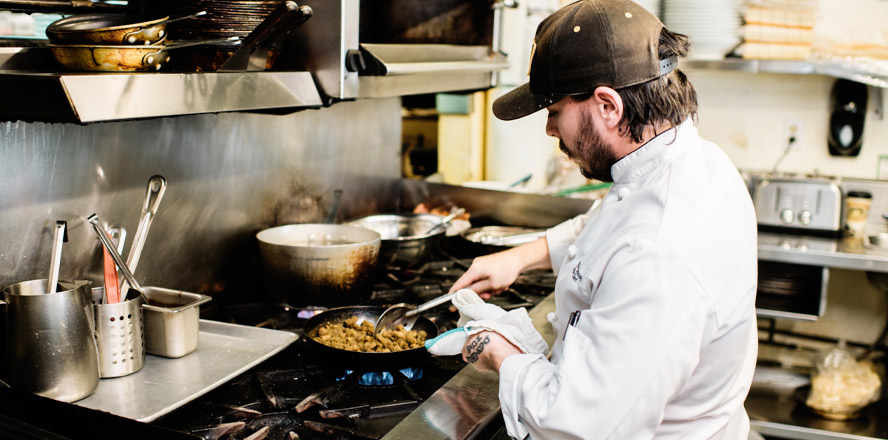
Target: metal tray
(164, 384)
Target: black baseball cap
(584, 45)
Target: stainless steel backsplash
(229, 175)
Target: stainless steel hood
(83, 98)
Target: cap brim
(521, 102)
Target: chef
(655, 297)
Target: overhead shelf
(84, 98)
(871, 72)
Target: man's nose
(552, 129)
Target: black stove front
(300, 394)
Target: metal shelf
(411, 69)
(821, 251)
(32, 94)
(871, 72)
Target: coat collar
(653, 153)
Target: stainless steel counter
(821, 251)
(469, 401)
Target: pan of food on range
(345, 334)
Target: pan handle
(253, 53)
(157, 58)
(143, 34)
(189, 43)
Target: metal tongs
(512, 239)
(446, 221)
(407, 314)
(109, 246)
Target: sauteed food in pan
(352, 336)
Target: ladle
(407, 314)
(59, 235)
(446, 220)
(156, 188)
(334, 207)
(106, 241)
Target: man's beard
(594, 156)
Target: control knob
(786, 216)
(805, 217)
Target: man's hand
(494, 273)
(487, 350)
(489, 275)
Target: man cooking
(655, 297)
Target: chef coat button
(623, 192)
(552, 317)
(571, 251)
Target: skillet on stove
(366, 361)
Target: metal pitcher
(50, 347)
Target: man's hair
(670, 98)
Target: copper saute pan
(363, 360)
(111, 29)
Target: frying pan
(101, 58)
(111, 29)
(364, 360)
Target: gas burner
(384, 378)
(386, 295)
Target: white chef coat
(664, 272)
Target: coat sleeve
(630, 352)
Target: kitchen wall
(746, 114)
(229, 176)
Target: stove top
(300, 394)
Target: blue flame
(383, 378)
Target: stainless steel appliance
(810, 205)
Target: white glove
(476, 316)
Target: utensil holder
(120, 337)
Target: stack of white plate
(713, 26)
(653, 6)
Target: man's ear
(609, 105)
